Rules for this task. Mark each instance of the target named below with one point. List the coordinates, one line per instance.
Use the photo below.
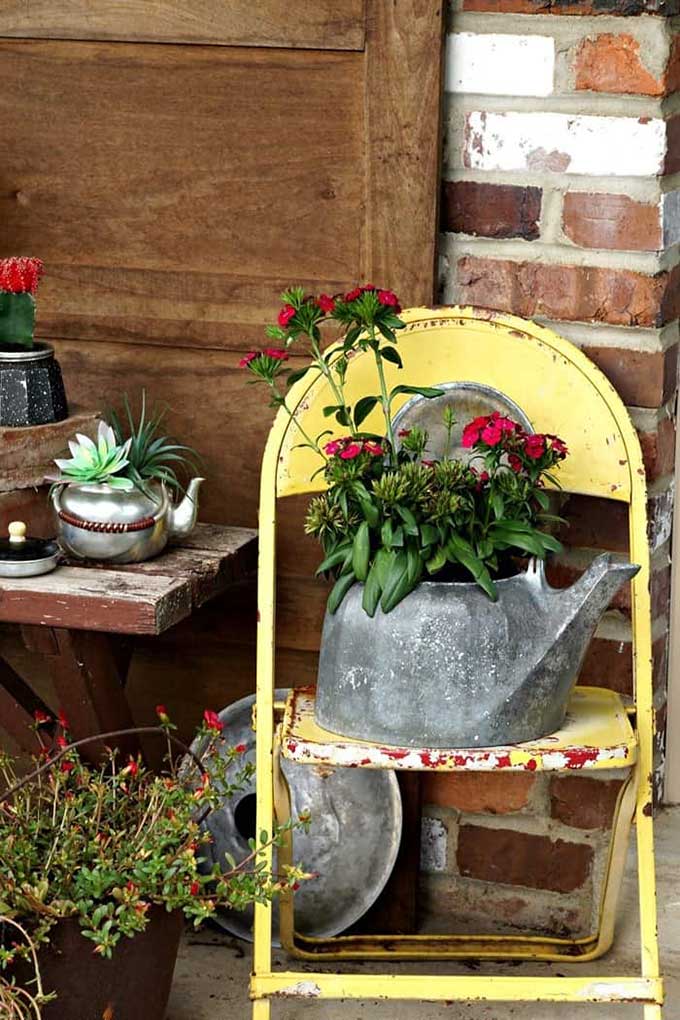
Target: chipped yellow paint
(562, 392)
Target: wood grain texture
(404, 52)
(167, 187)
(323, 24)
(27, 454)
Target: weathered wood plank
(27, 454)
(17, 704)
(324, 24)
(404, 54)
(200, 204)
(101, 600)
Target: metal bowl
(468, 400)
(352, 842)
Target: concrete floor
(211, 978)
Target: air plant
(104, 461)
(151, 457)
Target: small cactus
(103, 461)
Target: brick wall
(561, 203)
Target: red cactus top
(20, 275)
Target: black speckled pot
(31, 387)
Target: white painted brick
(501, 65)
(565, 143)
(670, 213)
(433, 837)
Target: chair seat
(597, 734)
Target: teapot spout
(182, 518)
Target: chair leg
(262, 1010)
(652, 1012)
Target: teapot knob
(17, 532)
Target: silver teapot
(97, 522)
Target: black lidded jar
(31, 386)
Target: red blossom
(558, 446)
(390, 299)
(63, 721)
(212, 720)
(162, 714)
(67, 766)
(20, 275)
(404, 433)
(241, 748)
(375, 449)
(351, 451)
(534, 446)
(195, 888)
(285, 315)
(326, 303)
(515, 463)
(352, 295)
(247, 358)
(132, 767)
(41, 718)
(276, 353)
(62, 742)
(334, 447)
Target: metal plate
(352, 842)
(468, 400)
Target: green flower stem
(385, 400)
(281, 402)
(338, 392)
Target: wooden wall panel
(323, 24)
(172, 192)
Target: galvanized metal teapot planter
(98, 522)
(448, 667)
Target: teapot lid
(22, 556)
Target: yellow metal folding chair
(560, 389)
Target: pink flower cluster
(20, 275)
(271, 352)
(348, 448)
(494, 430)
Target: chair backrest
(558, 387)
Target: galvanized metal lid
(21, 556)
(467, 400)
(351, 844)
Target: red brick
(584, 803)
(491, 210)
(673, 69)
(518, 858)
(658, 449)
(612, 63)
(610, 664)
(581, 293)
(667, 8)
(642, 378)
(492, 793)
(614, 222)
(597, 523)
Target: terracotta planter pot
(133, 985)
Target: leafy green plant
(104, 461)
(151, 457)
(390, 518)
(105, 843)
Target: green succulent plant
(105, 460)
(151, 457)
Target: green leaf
(437, 561)
(397, 583)
(424, 391)
(333, 559)
(361, 551)
(391, 354)
(497, 504)
(460, 551)
(342, 417)
(428, 534)
(386, 332)
(296, 375)
(372, 589)
(363, 408)
(408, 519)
(542, 498)
(519, 539)
(383, 564)
(340, 589)
(331, 409)
(414, 565)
